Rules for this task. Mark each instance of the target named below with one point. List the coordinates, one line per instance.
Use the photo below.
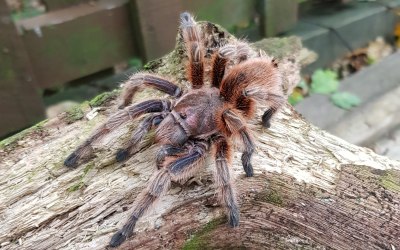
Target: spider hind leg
(179, 169)
(222, 176)
(140, 80)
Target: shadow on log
(311, 190)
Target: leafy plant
(345, 100)
(299, 92)
(295, 97)
(324, 82)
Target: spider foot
(233, 218)
(118, 238)
(72, 160)
(248, 168)
(266, 124)
(122, 155)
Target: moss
(200, 239)
(13, 139)
(272, 196)
(81, 182)
(87, 169)
(153, 64)
(103, 98)
(74, 114)
(390, 180)
(76, 186)
(280, 47)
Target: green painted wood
(20, 101)
(74, 42)
(279, 16)
(157, 20)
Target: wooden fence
(76, 38)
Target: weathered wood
(20, 101)
(279, 16)
(156, 21)
(74, 42)
(311, 190)
(59, 4)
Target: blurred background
(55, 54)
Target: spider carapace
(208, 118)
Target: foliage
(345, 100)
(295, 97)
(298, 93)
(324, 82)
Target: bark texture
(311, 190)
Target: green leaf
(345, 100)
(324, 82)
(295, 97)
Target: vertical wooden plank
(74, 42)
(20, 102)
(279, 16)
(156, 22)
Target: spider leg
(274, 103)
(138, 135)
(158, 185)
(255, 81)
(168, 150)
(140, 80)
(229, 53)
(186, 165)
(222, 176)
(247, 153)
(114, 122)
(232, 123)
(219, 63)
(194, 48)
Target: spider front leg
(266, 117)
(219, 63)
(181, 168)
(222, 176)
(274, 102)
(114, 122)
(138, 135)
(140, 80)
(194, 48)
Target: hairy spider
(202, 118)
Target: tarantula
(201, 119)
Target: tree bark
(311, 190)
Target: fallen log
(311, 190)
